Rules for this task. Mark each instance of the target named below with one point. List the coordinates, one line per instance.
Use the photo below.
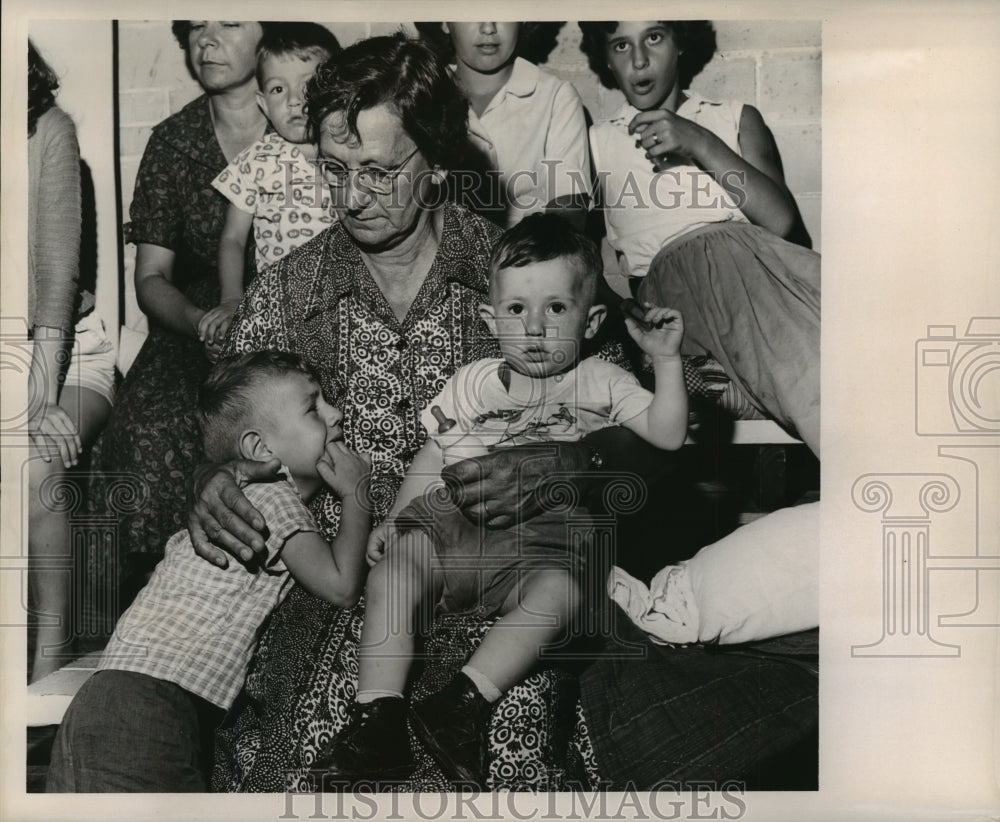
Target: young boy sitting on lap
(543, 281)
(180, 653)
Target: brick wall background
(774, 65)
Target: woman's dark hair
(535, 40)
(42, 84)
(695, 39)
(182, 28)
(405, 75)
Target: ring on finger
(656, 139)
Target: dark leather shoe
(453, 724)
(374, 743)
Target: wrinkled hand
(503, 487)
(53, 434)
(346, 472)
(661, 132)
(663, 339)
(222, 516)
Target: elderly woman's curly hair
(406, 76)
(695, 39)
(42, 85)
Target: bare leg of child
(536, 614)
(399, 601)
(453, 723)
(400, 596)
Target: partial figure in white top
(527, 123)
(696, 207)
(273, 188)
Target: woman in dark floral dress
(151, 444)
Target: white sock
(372, 694)
(490, 692)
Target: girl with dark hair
(696, 206)
(695, 41)
(70, 394)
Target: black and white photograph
(556, 286)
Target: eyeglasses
(371, 178)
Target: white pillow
(760, 581)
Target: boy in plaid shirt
(180, 653)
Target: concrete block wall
(774, 65)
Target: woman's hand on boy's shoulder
(223, 522)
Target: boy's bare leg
(453, 722)
(400, 596)
(536, 614)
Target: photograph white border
(911, 205)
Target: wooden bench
(49, 697)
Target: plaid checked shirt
(196, 624)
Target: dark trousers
(126, 732)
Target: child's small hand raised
(345, 471)
(662, 338)
(661, 132)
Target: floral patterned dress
(146, 455)
(322, 303)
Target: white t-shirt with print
(476, 413)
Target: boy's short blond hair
(304, 40)
(225, 401)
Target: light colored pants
(751, 300)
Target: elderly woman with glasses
(384, 306)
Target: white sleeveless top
(645, 209)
